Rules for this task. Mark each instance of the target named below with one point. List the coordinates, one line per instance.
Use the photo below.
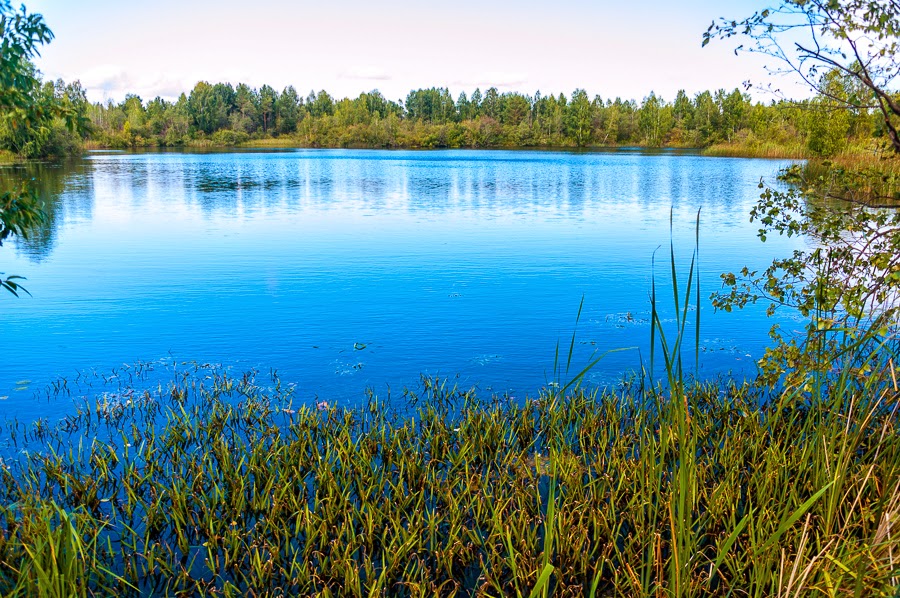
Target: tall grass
(241, 491)
(223, 486)
(872, 178)
(758, 149)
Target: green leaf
(542, 582)
(785, 525)
(729, 542)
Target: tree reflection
(64, 191)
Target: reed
(215, 485)
(224, 486)
(278, 142)
(758, 149)
(870, 177)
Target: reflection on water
(496, 183)
(51, 182)
(458, 262)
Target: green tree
(490, 105)
(320, 104)
(156, 116)
(266, 101)
(579, 118)
(846, 279)
(19, 214)
(348, 113)
(287, 111)
(179, 121)
(706, 117)
(464, 107)
(609, 133)
(858, 38)
(683, 110)
(51, 126)
(423, 105)
(244, 116)
(475, 103)
(225, 96)
(734, 107)
(379, 106)
(846, 282)
(515, 109)
(22, 34)
(829, 119)
(433, 105)
(207, 106)
(651, 120)
(135, 115)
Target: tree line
(222, 114)
(225, 115)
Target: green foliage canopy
(36, 118)
(860, 39)
(22, 34)
(847, 281)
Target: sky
(611, 48)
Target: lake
(346, 270)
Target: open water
(346, 270)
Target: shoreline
(259, 491)
(714, 151)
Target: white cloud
(112, 82)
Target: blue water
(352, 269)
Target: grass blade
(797, 514)
(543, 581)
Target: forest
(220, 115)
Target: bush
(227, 137)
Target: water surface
(352, 269)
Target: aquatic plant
(223, 485)
(220, 486)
